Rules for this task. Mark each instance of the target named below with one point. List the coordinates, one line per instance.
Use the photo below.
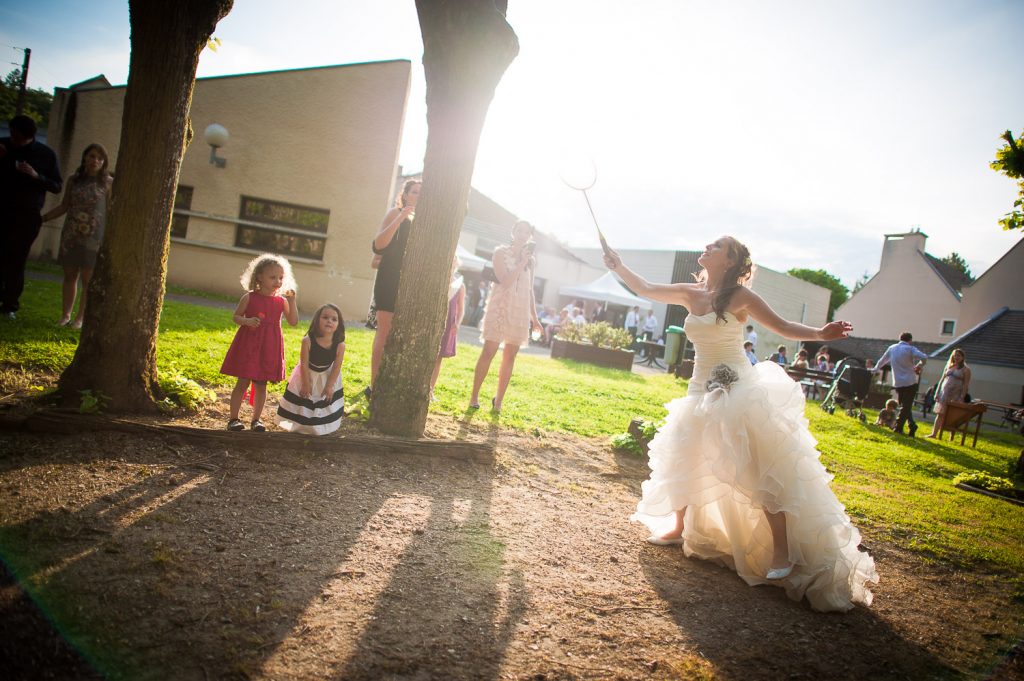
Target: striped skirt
(316, 415)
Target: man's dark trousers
(19, 227)
(906, 395)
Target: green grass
(899, 489)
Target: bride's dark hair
(734, 277)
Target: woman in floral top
(85, 202)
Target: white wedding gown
(731, 454)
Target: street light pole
(24, 83)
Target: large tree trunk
(467, 46)
(117, 351)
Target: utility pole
(24, 83)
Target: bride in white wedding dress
(735, 475)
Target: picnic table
(1009, 412)
(652, 351)
(811, 380)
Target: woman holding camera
(510, 311)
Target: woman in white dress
(735, 475)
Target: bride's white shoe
(658, 541)
(779, 573)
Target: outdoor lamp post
(216, 136)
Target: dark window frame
(268, 238)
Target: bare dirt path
(160, 559)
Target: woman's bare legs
(940, 419)
(69, 288)
(780, 542)
(508, 363)
(483, 365)
(379, 339)
(86, 276)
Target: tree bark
(117, 351)
(467, 46)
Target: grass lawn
(899, 489)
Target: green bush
(183, 391)
(601, 334)
(992, 483)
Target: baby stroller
(849, 390)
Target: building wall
(337, 151)
(793, 299)
(1002, 285)
(905, 295)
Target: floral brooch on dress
(722, 376)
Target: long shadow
(186, 570)
(451, 605)
(780, 637)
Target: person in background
(456, 308)
(956, 379)
(479, 302)
(748, 350)
(556, 326)
(28, 169)
(887, 417)
(779, 356)
(509, 313)
(632, 323)
(650, 326)
(801, 360)
(752, 335)
(578, 318)
(901, 357)
(86, 200)
(389, 244)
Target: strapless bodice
(715, 342)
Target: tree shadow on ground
(782, 638)
(358, 566)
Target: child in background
(256, 354)
(456, 308)
(314, 401)
(887, 417)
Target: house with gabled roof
(992, 316)
(912, 291)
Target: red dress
(257, 352)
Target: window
(182, 199)
(290, 229)
(948, 327)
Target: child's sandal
(235, 424)
(258, 427)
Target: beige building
(912, 291)
(992, 319)
(310, 169)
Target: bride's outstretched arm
(755, 306)
(676, 294)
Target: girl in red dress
(256, 354)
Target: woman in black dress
(389, 244)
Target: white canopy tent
(606, 288)
(468, 261)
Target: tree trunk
(467, 45)
(117, 351)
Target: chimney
(902, 244)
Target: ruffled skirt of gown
(728, 456)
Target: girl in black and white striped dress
(314, 401)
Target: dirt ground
(159, 558)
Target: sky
(807, 129)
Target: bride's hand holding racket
(612, 260)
